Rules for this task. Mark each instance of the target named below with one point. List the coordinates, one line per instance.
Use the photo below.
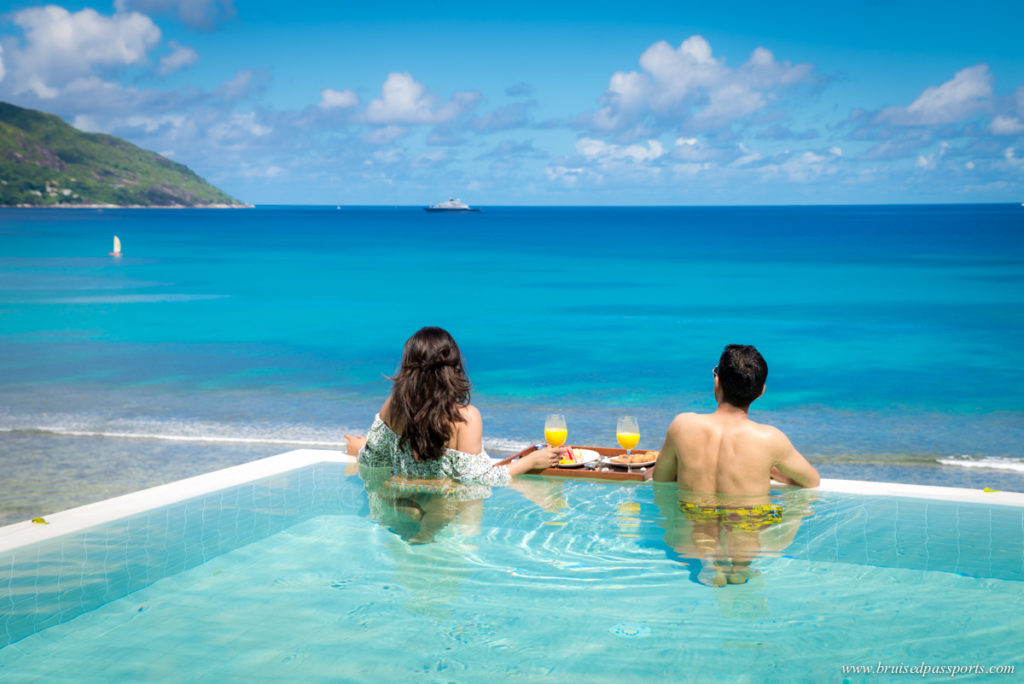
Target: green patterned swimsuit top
(382, 450)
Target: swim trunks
(733, 518)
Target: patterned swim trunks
(733, 518)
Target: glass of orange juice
(627, 432)
(555, 431)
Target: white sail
(117, 247)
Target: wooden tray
(587, 473)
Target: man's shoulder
(683, 420)
(687, 426)
(769, 432)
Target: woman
(427, 429)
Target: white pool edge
(108, 510)
(90, 515)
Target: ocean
(893, 334)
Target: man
(723, 464)
(725, 452)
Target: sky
(544, 103)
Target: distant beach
(220, 337)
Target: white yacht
(450, 205)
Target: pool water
(290, 579)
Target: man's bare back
(726, 453)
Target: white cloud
(236, 131)
(1012, 159)
(805, 167)
(749, 156)
(931, 161)
(245, 82)
(337, 99)
(58, 46)
(2, 70)
(403, 100)
(269, 171)
(690, 170)
(384, 135)
(180, 57)
(688, 82)
(567, 176)
(431, 158)
(1006, 125)
(598, 150)
(969, 91)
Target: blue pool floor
(340, 598)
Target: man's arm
(666, 468)
(794, 467)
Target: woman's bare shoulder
(470, 415)
(385, 413)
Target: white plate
(640, 464)
(586, 456)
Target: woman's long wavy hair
(428, 391)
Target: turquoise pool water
(289, 579)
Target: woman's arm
(537, 460)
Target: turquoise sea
(893, 334)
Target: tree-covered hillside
(46, 162)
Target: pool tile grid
(123, 553)
(54, 581)
(962, 538)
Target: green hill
(46, 162)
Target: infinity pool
(291, 578)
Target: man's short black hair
(742, 372)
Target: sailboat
(117, 247)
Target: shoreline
(127, 206)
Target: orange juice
(555, 437)
(627, 440)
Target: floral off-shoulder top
(382, 450)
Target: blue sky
(544, 103)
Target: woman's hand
(353, 443)
(537, 460)
(548, 457)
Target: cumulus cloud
(58, 46)
(384, 135)
(200, 14)
(1006, 125)
(593, 149)
(969, 91)
(508, 149)
(338, 99)
(688, 84)
(515, 115)
(245, 82)
(403, 100)
(179, 58)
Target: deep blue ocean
(893, 334)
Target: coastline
(127, 206)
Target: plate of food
(637, 459)
(578, 458)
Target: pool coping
(90, 515)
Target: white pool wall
(91, 515)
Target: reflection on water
(720, 537)
(716, 540)
(422, 511)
